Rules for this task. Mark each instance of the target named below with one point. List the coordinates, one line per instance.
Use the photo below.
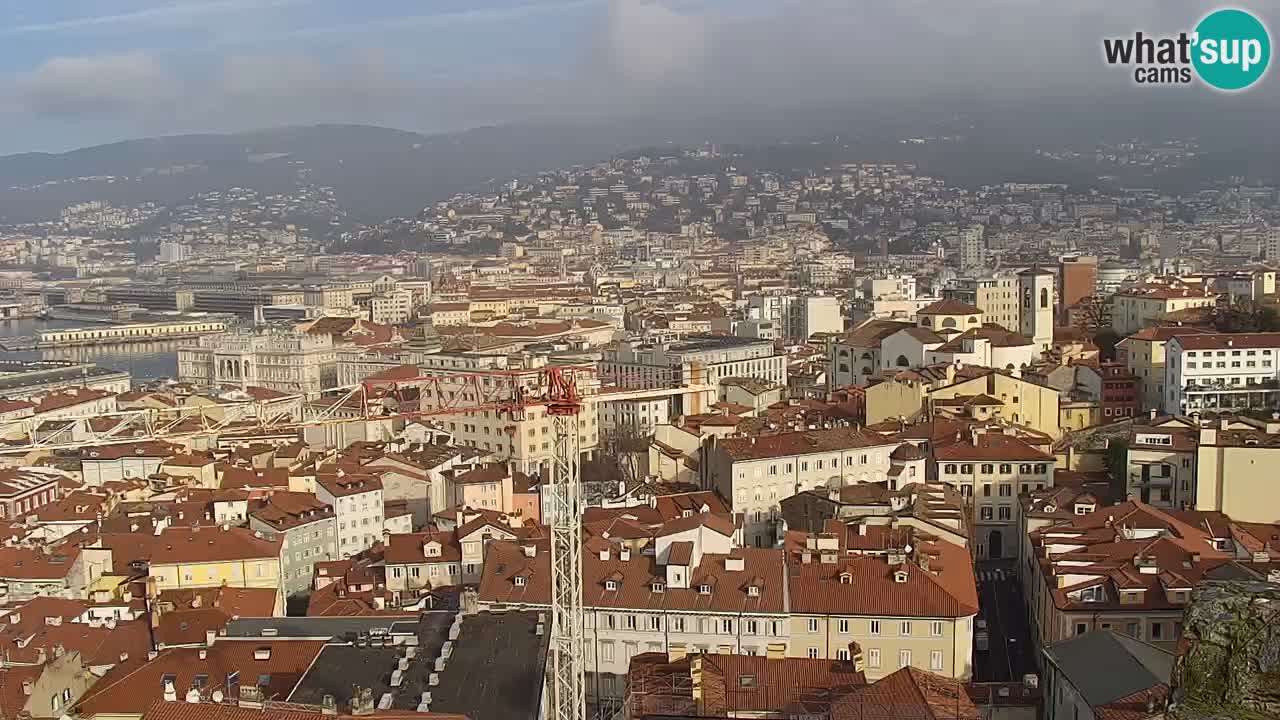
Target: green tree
(1106, 340)
(1118, 468)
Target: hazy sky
(79, 72)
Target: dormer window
(1092, 594)
(686, 513)
(519, 581)
(611, 585)
(846, 578)
(900, 576)
(658, 587)
(704, 589)
(753, 591)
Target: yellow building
(1024, 402)
(1078, 414)
(1236, 471)
(201, 557)
(1138, 307)
(907, 606)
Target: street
(1009, 655)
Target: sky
(79, 72)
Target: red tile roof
(802, 442)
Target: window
(950, 469)
(986, 490)
(813, 653)
(655, 622)
(606, 652)
(813, 625)
(842, 654)
(875, 627)
(1006, 489)
(935, 629)
(1157, 631)
(986, 512)
(873, 658)
(904, 658)
(753, 627)
(905, 629)
(726, 626)
(986, 469)
(1006, 512)
(935, 660)
(1082, 628)
(630, 622)
(519, 581)
(843, 627)
(966, 469)
(1006, 468)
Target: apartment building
(201, 557)
(996, 297)
(691, 589)
(1222, 372)
(525, 438)
(422, 561)
(1161, 463)
(1143, 353)
(357, 501)
(756, 473)
(392, 308)
(1235, 470)
(713, 357)
(1138, 307)
(800, 316)
(308, 531)
(905, 597)
(1129, 568)
(24, 490)
(991, 469)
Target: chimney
(676, 652)
(362, 702)
(27, 686)
(210, 637)
(170, 692)
(1152, 413)
(328, 705)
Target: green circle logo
(1232, 49)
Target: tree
(1118, 467)
(1244, 315)
(1106, 340)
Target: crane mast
(568, 692)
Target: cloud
(637, 58)
(168, 15)
(64, 86)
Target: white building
(279, 359)
(1221, 371)
(358, 509)
(756, 473)
(712, 357)
(174, 252)
(973, 253)
(799, 317)
(392, 308)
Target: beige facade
(1025, 403)
(939, 645)
(1133, 310)
(1235, 473)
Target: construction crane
(568, 691)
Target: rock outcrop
(1229, 662)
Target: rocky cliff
(1229, 664)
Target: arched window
(902, 361)
(926, 320)
(949, 323)
(973, 321)
(1044, 297)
